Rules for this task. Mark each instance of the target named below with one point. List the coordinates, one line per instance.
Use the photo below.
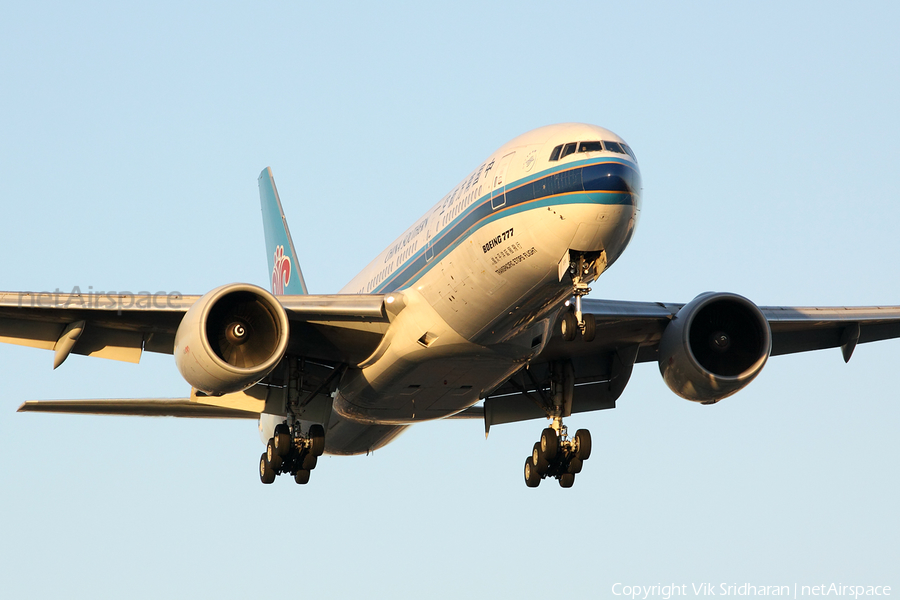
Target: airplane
(477, 311)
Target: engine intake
(715, 345)
(231, 338)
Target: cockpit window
(563, 151)
(590, 147)
(555, 154)
(613, 147)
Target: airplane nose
(612, 177)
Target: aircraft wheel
(317, 437)
(309, 462)
(537, 458)
(567, 480)
(568, 326)
(549, 444)
(302, 476)
(575, 465)
(272, 455)
(583, 443)
(532, 478)
(266, 473)
(283, 444)
(590, 328)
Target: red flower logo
(281, 274)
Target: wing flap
(113, 344)
(34, 334)
(96, 341)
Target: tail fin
(284, 270)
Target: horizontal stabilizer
(142, 407)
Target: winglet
(284, 269)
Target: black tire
(317, 439)
(567, 480)
(538, 460)
(266, 473)
(283, 444)
(575, 465)
(590, 328)
(309, 462)
(549, 444)
(302, 476)
(568, 326)
(282, 428)
(274, 459)
(532, 479)
(583, 443)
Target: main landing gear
(557, 455)
(288, 454)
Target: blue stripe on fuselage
(604, 181)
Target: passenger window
(569, 149)
(590, 147)
(555, 154)
(613, 147)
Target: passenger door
(498, 192)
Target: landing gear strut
(576, 322)
(292, 453)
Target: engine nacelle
(715, 345)
(231, 338)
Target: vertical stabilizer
(284, 270)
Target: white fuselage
(478, 281)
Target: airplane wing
(630, 332)
(794, 329)
(332, 328)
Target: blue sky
(130, 144)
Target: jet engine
(231, 338)
(713, 347)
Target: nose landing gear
(582, 272)
(294, 454)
